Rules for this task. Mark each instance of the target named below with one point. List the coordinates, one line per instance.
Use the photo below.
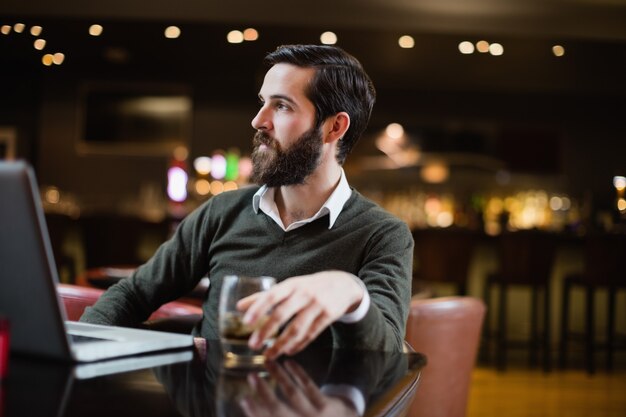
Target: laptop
(28, 279)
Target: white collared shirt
(263, 200)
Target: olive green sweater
(225, 236)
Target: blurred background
(491, 117)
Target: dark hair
(340, 84)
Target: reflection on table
(316, 382)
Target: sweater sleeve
(174, 270)
(386, 272)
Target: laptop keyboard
(75, 338)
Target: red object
(4, 347)
(76, 299)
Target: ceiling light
(466, 48)
(406, 41)
(235, 36)
(58, 58)
(558, 50)
(496, 49)
(394, 130)
(47, 59)
(172, 32)
(328, 38)
(19, 27)
(250, 34)
(482, 46)
(39, 44)
(35, 30)
(95, 30)
(6, 29)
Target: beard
(276, 167)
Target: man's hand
(301, 396)
(312, 303)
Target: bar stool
(604, 257)
(526, 258)
(443, 255)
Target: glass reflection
(317, 382)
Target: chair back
(76, 298)
(526, 256)
(446, 330)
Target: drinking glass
(234, 334)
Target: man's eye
(282, 106)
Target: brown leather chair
(175, 316)
(447, 330)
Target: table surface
(316, 382)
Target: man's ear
(336, 126)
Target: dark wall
(558, 120)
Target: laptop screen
(28, 276)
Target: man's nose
(261, 121)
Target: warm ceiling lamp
(95, 30)
(172, 32)
(558, 50)
(328, 38)
(39, 44)
(394, 130)
(47, 60)
(482, 47)
(496, 49)
(406, 41)
(235, 36)
(250, 34)
(466, 48)
(58, 58)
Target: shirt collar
(263, 199)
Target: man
(342, 263)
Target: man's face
(275, 167)
(287, 146)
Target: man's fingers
(297, 303)
(305, 382)
(320, 323)
(246, 302)
(263, 302)
(300, 331)
(292, 393)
